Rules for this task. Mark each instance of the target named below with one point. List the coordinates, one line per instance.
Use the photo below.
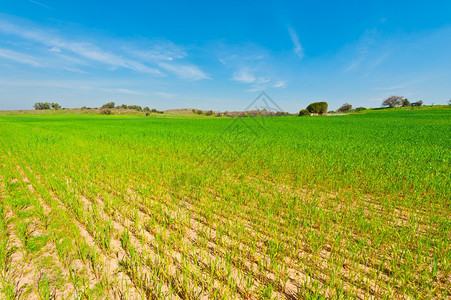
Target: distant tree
(108, 105)
(209, 113)
(303, 112)
(345, 107)
(55, 106)
(41, 105)
(405, 102)
(418, 103)
(146, 109)
(392, 101)
(135, 107)
(317, 108)
(359, 108)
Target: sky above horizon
(221, 54)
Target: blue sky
(221, 54)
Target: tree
(108, 105)
(418, 103)
(393, 101)
(405, 102)
(55, 106)
(317, 108)
(41, 105)
(303, 112)
(345, 107)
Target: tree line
(320, 108)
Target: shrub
(317, 108)
(109, 105)
(303, 112)
(359, 108)
(418, 103)
(209, 113)
(135, 107)
(105, 111)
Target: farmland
(280, 207)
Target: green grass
(311, 207)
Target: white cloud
(244, 76)
(296, 43)
(55, 49)
(367, 54)
(40, 4)
(280, 84)
(166, 95)
(84, 49)
(75, 70)
(184, 71)
(19, 57)
(122, 91)
(159, 51)
(389, 88)
(162, 54)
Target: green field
(280, 207)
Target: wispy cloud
(166, 95)
(19, 57)
(75, 70)
(121, 91)
(249, 64)
(296, 43)
(55, 49)
(184, 71)
(366, 54)
(280, 84)
(150, 60)
(159, 51)
(389, 88)
(40, 4)
(83, 49)
(243, 76)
